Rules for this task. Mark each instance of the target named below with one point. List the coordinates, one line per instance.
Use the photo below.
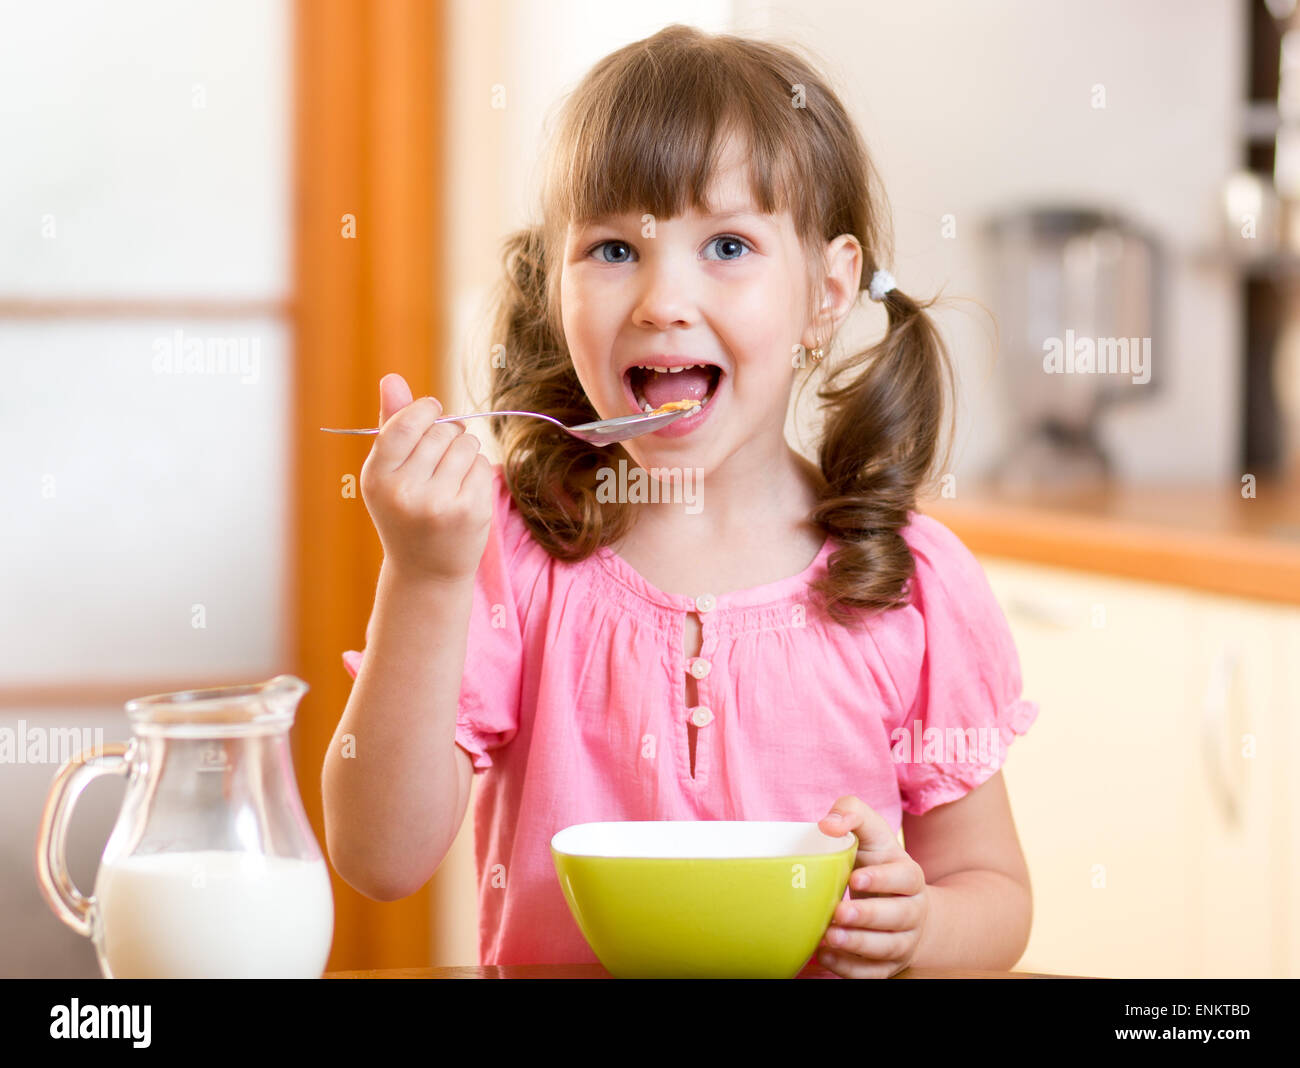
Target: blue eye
(603, 244)
(731, 240)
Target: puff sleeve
(487, 715)
(968, 685)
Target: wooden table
(595, 971)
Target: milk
(214, 915)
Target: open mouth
(652, 389)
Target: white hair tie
(881, 283)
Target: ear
(844, 262)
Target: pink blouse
(573, 708)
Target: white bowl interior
(696, 839)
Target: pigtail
(884, 421)
(551, 475)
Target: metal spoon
(601, 432)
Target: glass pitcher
(212, 870)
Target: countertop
(595, 971)
(1207, 537)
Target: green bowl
(707, 899)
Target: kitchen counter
(1200, 536)
(595, 971)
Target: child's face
(728, 290)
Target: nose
(665, 298)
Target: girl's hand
(875, 934)
(427, 488)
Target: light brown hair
(642, 133)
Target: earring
(817, 353)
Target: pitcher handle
(51, 853)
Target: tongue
(690, 384)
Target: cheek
(585, 342)
(761, 337)
(572, 304)
(581, 315)
(761, 310)
(569, 306)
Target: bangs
(651, 138)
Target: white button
(702, 716)
(699, 667)
(705, 603)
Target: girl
(800, 644)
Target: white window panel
(145, 149)
(143, 497)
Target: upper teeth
(669, 370)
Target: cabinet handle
(1214, 722)
(1055, 613)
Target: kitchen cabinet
(1151, 795)
(1099, 785)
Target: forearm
(390, 794)
(977, 919)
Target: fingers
(878, 946)
(427, 487)
(845, 815)
(400, 434)
(903, 876)
(876, 929)
(394, 394)
(870, 935)
(412, 443)
(851, 967)
(452, 463)
(875, 836)
(889, 913)
(478, 480)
